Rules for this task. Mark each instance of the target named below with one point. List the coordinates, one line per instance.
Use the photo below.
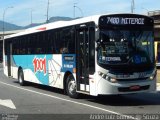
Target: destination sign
(125, 21)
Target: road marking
(71, 101)
(7, 103)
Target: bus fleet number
(39, 65)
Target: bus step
(83, 92)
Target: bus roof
(54, 25)
(60, 24)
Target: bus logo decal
(39, 64)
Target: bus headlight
(106, 77)
(152, 77)
(113, 80)
(102, 75)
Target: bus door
(82, 65)
(9, 53)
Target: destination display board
(125, 20)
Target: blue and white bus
(97, 55)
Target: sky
(19, 12)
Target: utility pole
(74, 13)
(132, 6)
(31, 16)
(74, 10)
(4, 19)
(47, 12)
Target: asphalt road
(43, 103)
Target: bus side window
(64, 50)
(68, 40)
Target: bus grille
(127, 89)
(136, 79)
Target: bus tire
(71, 87)
(21, 77)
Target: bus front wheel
(21, 78)
(71, 87)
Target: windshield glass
(122, 47)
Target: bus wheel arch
(21, 76)
(70, 85)
(65, 81)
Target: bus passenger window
(64, 50)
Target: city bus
(96, 55)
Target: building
(8, 33)
(156, 16)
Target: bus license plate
(135, 87)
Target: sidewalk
(158, 79)
(158, 86)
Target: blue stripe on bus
(68, 62)
(35, 64)
(38, 64)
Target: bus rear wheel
(71, 87)
(21, 77)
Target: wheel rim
(72, 87)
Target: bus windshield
(126, 47)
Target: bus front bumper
(105, 87)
